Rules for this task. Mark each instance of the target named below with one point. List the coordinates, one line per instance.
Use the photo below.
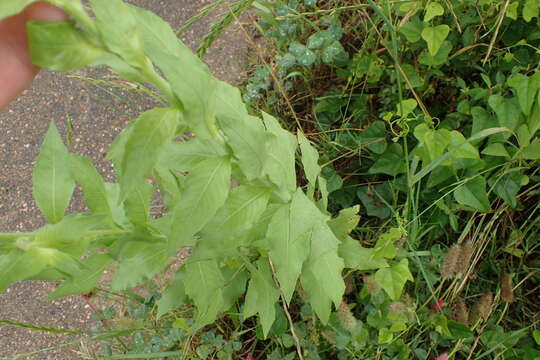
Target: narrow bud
(483, 307)
(461, 312)
(507, 291)
(346, 317)
(450, 264)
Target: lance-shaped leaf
(150, 132)
(118, 28)
(184, 155)
(84, 280)
(137, 203)
(204, 282)
(8, 8)
(321, 276)
(206, 189)
(14, 267)
(59, 46)
(195, 89)
(310, 161)
(262, 295)
(288, 238)
(280, 165)
(92, 184)
(173, 297)
(53, 184)
(245, 134)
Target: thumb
(16, 68)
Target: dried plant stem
(286, 310)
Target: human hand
(16, 68)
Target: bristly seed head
(507, 291)
(465, 257)
(450, 264)
(461, 312)
(346, 317)
(483, 307)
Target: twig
(284, 305)
(494, 38)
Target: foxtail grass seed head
(465, 257)
(371, 285)
(346, 317)
(483, 307)
(461, 312)
(507, 291)
(450, 264)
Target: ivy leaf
(91, 182)
(393, 279)
(53, 184)
(245, 133)
(530, 10)
(118, 28)
(434, 37)
(288, 237)
(262, 295)
(345, 222)
(173, 296)
(84, 280)
(473, 193)
(358, 257)
(59, 46)
(507, 111)
(434, 9)
(321, 275)
(390, 162)
(150, 132)
(206, 189)
(526, 88)
(9, 8)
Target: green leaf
(512, 11)
(473, 193)
(358, 257)
(84, 280)
(412, 29)
(195, 88)
(310, 161)
(532, 152)
(526, 88)
(91, 182)
(393, 279)
(173, 296)
(137, 203)
(385, 246)
(149, 134)
(14, 267)
(184, 155)
(507, 186)
(434, 37)
(280, 165)
(9, 8)
(245, 134)
(146, 260)
(53, 184)
(59, 46)
(496, 149)
(204, 282)
(333, 53)
(407, 106)
(228, 228)
(533, 122)
(287, 238)
(536, 336)
(262, 295)
(391, 162)
(118, 29)
(206, 189)
(345, 222)
(304, 56)
(440, 58)
(434, 9)
(530, 10)
(321, 276)
(507, 111)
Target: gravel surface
(98, 113)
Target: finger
(16, 68)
